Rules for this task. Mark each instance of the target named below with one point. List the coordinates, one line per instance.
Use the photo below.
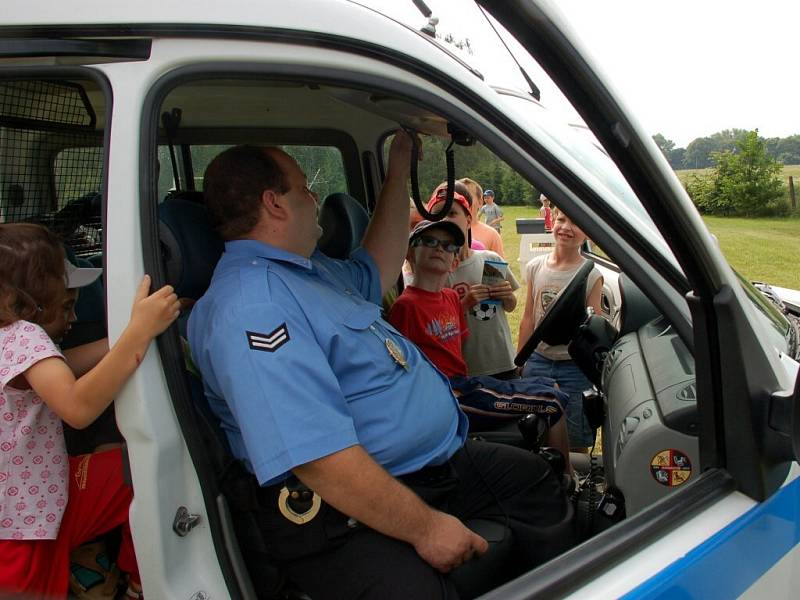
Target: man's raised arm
(386, 238)
(353, 483)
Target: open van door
(745, 359)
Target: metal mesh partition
(51, 161)
(55, 103)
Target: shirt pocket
(361, 345)
(361, 316)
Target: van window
(77, 171)
(476, 162)
(51, 160)
(323, 165)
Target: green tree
(744, 181)
(666, 146)
(698, 153)
(787, 150)
(673, 155)
(727, 138)
(677, 158)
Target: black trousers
(329, 558)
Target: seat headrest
(344, 222)
(190, 245)
(193, 195)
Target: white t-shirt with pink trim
(33, 457)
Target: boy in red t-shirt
(431, 316)
(428, 313)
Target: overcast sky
(686, 69)
(692, 68)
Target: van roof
(240, 19)
(266, 13)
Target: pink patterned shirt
(33, 457)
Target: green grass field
(760, 249)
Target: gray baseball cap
(78, 277)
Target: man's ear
(410, 256)
(273, 204)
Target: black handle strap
(451, 178)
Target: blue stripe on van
(733, 559)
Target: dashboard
(650, 431)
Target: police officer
(345, 424)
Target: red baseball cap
(441, 195)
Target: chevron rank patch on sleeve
(268, 342)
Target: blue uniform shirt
(295, 362)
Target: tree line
(744, 177)
(478, 163)
(699, 153)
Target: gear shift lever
(533, 429)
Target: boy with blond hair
(547, 275)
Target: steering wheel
(563, 317)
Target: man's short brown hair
(233, 184)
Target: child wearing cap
(51, 503)
(431, 316)
(474, 243)
(491, 211)
(490, 348)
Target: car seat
(191, 249)
(344, 222)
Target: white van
(109, 114)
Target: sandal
(92, 574)
(132, 593)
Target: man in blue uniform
(311, 384)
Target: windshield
(465, 30)
(577, 148)
(778, 326)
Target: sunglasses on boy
(432, 242)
